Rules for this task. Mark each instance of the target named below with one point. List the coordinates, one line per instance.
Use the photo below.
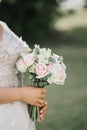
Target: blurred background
(62, 26)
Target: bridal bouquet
(43, 68)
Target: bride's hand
(43, 111)
(33, 96)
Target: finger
(45, 102)
(41, 101)
(38, 104)
(44, 90)
(43, 96)
(41, 119)
(44, 108)
(43, 115)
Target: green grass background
(67, 105)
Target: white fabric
(13, 116)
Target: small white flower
(45, 52)
(44, 55)
(36, 46)
(32, 69)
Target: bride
(14, 98)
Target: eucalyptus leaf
(30, 76)
(52, 60)
(36, 51)
(41, 84)
(45, 83)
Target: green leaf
(52, 60)
(30, 76)
(36, 50)
(41, 84)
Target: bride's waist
(9, 81)
(7, 74)
(7, 71)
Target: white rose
(58, 75)
(21, 66)
(28, 59)
(57, 57)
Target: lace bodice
(13, 116)
(10, 48)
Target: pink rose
(41, 70)
(28, 59)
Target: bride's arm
(8, 95)
(27, 94)
(10, 37)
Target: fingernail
(41, 111)
(46, 103)
(41, 116)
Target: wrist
(19, 94)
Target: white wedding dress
(13, 116)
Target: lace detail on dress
(8, 72)
(13, 116)
(10, 48)
(11, 44)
